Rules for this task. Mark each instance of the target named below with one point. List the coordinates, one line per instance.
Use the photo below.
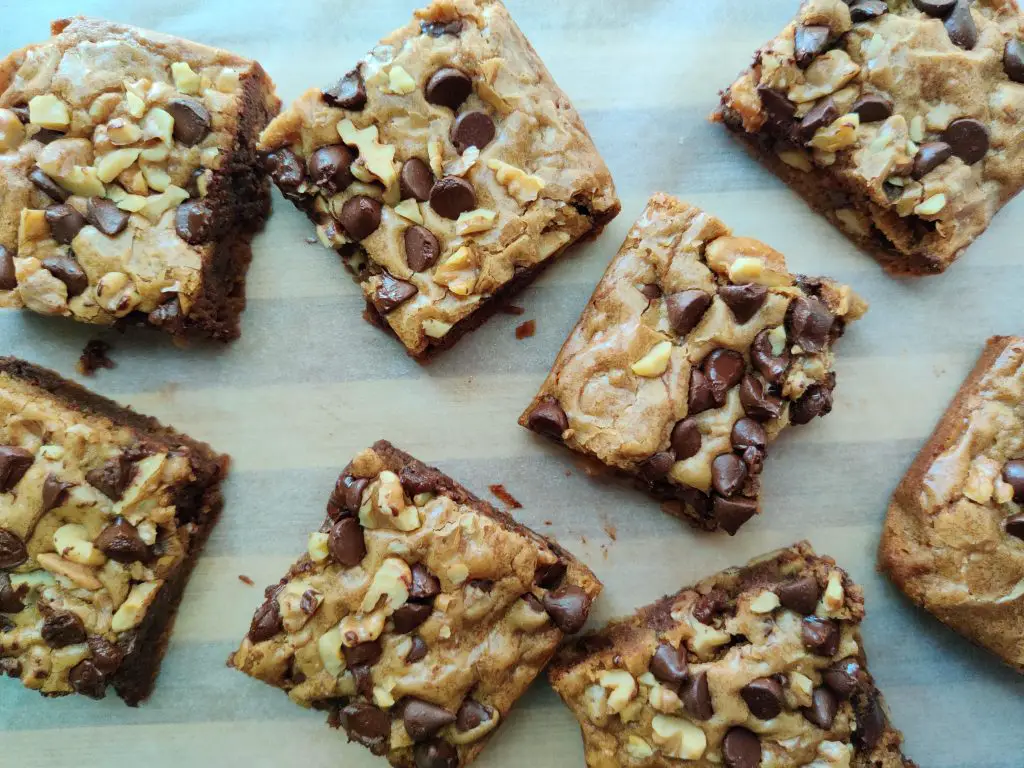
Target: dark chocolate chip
(871, 724)
(452, 196)
(348, 93)
(105, 655)
(193, 221)
(696, 696)
(822, 114)
(741, 748)
(422, 248)
(535, 605)
(728, 473)
(167, 315)
(548, 418)
(423, 720)
(867, 10)
(308, 603)
(764, 697)
(14, 463)
(732, 513)
(780, 110)
(471, 714)
(12, 549)
(120, 541)
(441, 28)
(46, 135)
(685, 309)
(66, 269)
(820, 636)
(937, 8)
(416, 180)
(709, 606)
(549, 575)
(724, 369)
(568, 606)
(8, 274)
(10, 667)
(1013, 60)
(330, 168)
(113, 477)
(968, 139)
(809, 323)
(747, 433)
(62, 628)
(48, 186)
(757, 403)
(10, 599)
(285, 169)
(657, 466)
(960, 26)
(425, 585)
(686, 439)
(808, 42)
(473, 129)
(347, 495)
(651, 291)
(448, 87)
(65, 222)
(669, 665)
(391, 293)
(21, 111)
(54, 492)
(266, 622)
(930, 156)
(367, 725)
(800, 594)
(346, 542)
(744, 300)
(106, 217)
(754, 459)
(823, 709)
(844, 677)
(410, 616)
(700, 397)
(364, 654)
(191, 120)
(86, 680)
(872, 108)
(360, 216)
(436, 754)
(1013, 473)
(1014, 526)
(816, 401)
(417, 650)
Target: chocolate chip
(330, 168)
(471, 714)
(364, 654)
(820, 636)
(1013, 60)
(360, 216)
(757, 402)
(191, 120)
(417, 479)
(410, 616)
(808, 42)
(21, 111)
(780, 110)
(86, 680)
(930, 156)
(416, 180)
(657, 466)
(452, 196)
(823, 113)
(346, 542)
(872, 108)
(823, 709)
(436, 754)
(392, 292)
(47, 135)
(48, 186)
(686, 439)
(472, 129)
(724, 369)
(113, 477)
(285, 169)
(423, 720)
(732, 513)
(960, 26)
(54, 492)
(696, 696)
(844, 677)
(106, 217)
(710, 605)
(348, 93)
(62, 628)
(669, 665)
(1013, 473)
(64, 221)
(347, 495)
(548, 418)
(700, 397)
(1014, 526)
(800, 594)
(549, 575)
(685, 309)
(441, 28)
(12, 549)
(266, 622)
(651, 291)
(568, 606)
(728, 473)
(422, 248)
(866, 10)
(10, 599)
(744, 300)
(417, 650)
(968, 139)
(8, 274)
(741, 748)
(764, 697)
(871, 724)
(809, 323)
(747, 433)
(193, 221)
(367, 725)
(66, 269)
(448, 87)
(816, 401)
(14, 463)
(425, 585)
(937, 8)
(106, 655)
(120, 541)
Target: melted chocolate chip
(960, 26)
(391, 293)
(452, 196)
(872, 108)
(773, 367)
(410, 616)
(696, 696)
(425, 585)
(686, 439)
(346, 543)
(193, 221)
(12, 549)
(816, 401)
(422, 248)
(820, 636)
(685, 309)
(416, 180)
(448, 87)
(1013, 60)
(106, 217)
(930, 156)
(472, 129)
(423, 720)
(743, 300)
(732, 513)
(348, 93)
(471, 715)
(764, 697)
(66, 268)
(669, 665)
(568, 606)
(54, 492)
(867, 10)
(266, 622)
(724, 369)
(436, 754)
(800, 594)
(8, 274)
(113, 477)
(64, 221)
(14, 463)
(757, 402)
(63, 628)
(741, 748)
(330, 168)
(285, 169)
(808, 43)
(191, 120)
(728, 474)
(823, 709)
(121, 541)
(367, 725)
(700, 398)
(844, 677)
(548, 418)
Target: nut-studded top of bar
(915, 105)
(111, 138)
(452, 157)
(423, 610)
(696, 349)
(954, 538)
(755, 666)
(98, 507)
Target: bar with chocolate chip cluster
(899, 121)
(103, 513)
(419, 615)
(696, 350)
(447, 168)
(130, 186)
(755, 666)
(954, 536)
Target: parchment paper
(309, 384)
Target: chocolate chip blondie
(899, 120)
(419, 614)
(756, 666)
(447, 168)
(696, 350)
(130, 186)
(103, 513)
(954, 537)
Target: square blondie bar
(899, 121)
(419, 615)
(447, 168)
(696, 350)
(103, 513)
(130, 186)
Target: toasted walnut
(185, 80)
(931, 205)
(391, 584)
(595, 704)
(436, 329)
(475, 734)
(795, 158)
(110, 165)
(833, 14)
(705, 639)
(298, 602)
(329, 648)
(122, 132)
(48, 111)
(410, 209)
(116, 293)
(400, 81)
(317, 547)
(133, 609)
(826, 74)
(664, 699)
(457, 272)
(157, 205)
(621, 688)
(638, 748)
(72, 543)
(552, 242)
(523, 187)
(361, 629)
(12, 132)
(378, 158)
(471, 222)
(655, 362)
(158, 124)
(523, 615)
(766, 602)
(82, 575)
(679, 738)
(834, 597)
(384, 506)
(841, 134)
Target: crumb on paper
(512, 309)
(583, 538)
(168, 390)
(504, 496)
(568, 473)
(246, 580)
(548, 522)
(604, 551)
(94, 357)
(526, 330)
(612, 531)
(312, 240)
